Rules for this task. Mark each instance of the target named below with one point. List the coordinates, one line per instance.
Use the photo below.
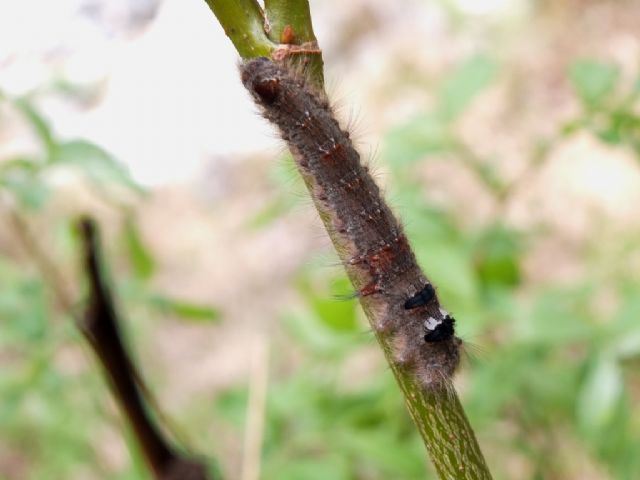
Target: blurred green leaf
(308, 330)
(600, 394)
(497, 256)
(40, 126)
(24, 307)
(185, 310)
(284, 172)
(464, 84)
(141, 259)
(23, 164)
(618, 127)
(232, 405)
(610, 135)
(557, 317)
(28, 188)
(573, 126)
(374, 446)
(138, 469)
(291, 191)
(627, 347)
(95, 162)
(425, 223)
(626, 319)
(450, 268)
(337, 314)
(323, 468)
(424, 134)
(273, 210)
(485, 170)
(429, 133)
(593, 81)
(493, 385)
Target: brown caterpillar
(367, 236)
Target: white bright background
(171, 97)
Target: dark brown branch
(99, 324)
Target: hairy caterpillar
(369, 239)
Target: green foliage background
(555, 384)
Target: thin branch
(100, 325)
(243, 22)
(290, 25)
(282, 31)
(437, 413)
(289, 13)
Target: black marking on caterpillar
(439, 330)
(422, 298)
(369, 239)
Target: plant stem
(101, 327)
(290, 23)
(243, 22)
(444, 428)
(282, 30)
(437, 413)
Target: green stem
(438, 414)
(290, 22)
(281, 13)
(282, 31)
(444, 428)
(243, 22)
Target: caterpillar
(403, 305)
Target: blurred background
(506, 135)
